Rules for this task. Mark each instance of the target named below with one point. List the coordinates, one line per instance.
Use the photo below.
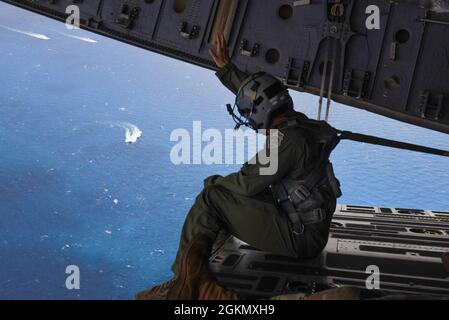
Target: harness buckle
(320, 214)
(302, 193)
(301, 230)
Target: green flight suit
(242, 204)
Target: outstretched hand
(221, 53)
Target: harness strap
(287, 205)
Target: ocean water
(73, 192)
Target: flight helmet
(260, 98)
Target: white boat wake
(81, 38)
(27, 33)
(132, 132)
(85, 39)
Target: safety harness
(302, 200)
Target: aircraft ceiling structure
(399, 69)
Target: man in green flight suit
(242, 204)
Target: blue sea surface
(72, 192)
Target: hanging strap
(324, 77)
(331, 80)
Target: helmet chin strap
(238, 119)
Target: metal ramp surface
(405, 244)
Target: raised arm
(229, 74)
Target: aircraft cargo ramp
(405, 245)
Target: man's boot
(156, 293)
(195, 281)
(211, 290)
(193, 269)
